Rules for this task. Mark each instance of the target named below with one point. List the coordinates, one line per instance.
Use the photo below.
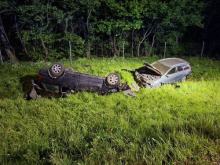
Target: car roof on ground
(172, 61)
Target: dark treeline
(211, 32)
(48, 29)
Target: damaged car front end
(165, 71)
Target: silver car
(164, 71)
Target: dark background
(31, 31)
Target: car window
(187, 67)
(172, 71)
(180, 68)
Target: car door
(170, 77)
(180, 73)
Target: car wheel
(113, 79)
(56, 70)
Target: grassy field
(166, 125)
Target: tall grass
(166, 125)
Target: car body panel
(73, 81)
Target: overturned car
(63, 81)
(164, 71)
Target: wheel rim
(113, 79)
(56, 68)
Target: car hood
(152, 68)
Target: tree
(38, 23)
(110, 26)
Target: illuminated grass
(165, 125)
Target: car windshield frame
(160, 67)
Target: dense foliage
(167, 125)
(212, 26)
(59, 29)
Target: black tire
(56, 70)
(113, 80)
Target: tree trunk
(66, 25)
(165, 49)
(146, 52)
(114, 50)
(88, 44)
(47, 15)
(11, 55)
(45, 49)
(177, 40)
(146, 34)
(202, 51)
(6, 44)
(17, 32)
(152, 45)
(132, 43)
(1, 58)
(102, 51)
(111, 45)
(114, 46)
(70, 55)
(88, 49)
(119, 52)
(123, 49)
(138, 49)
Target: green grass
(166, 125)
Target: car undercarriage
(61, 81)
